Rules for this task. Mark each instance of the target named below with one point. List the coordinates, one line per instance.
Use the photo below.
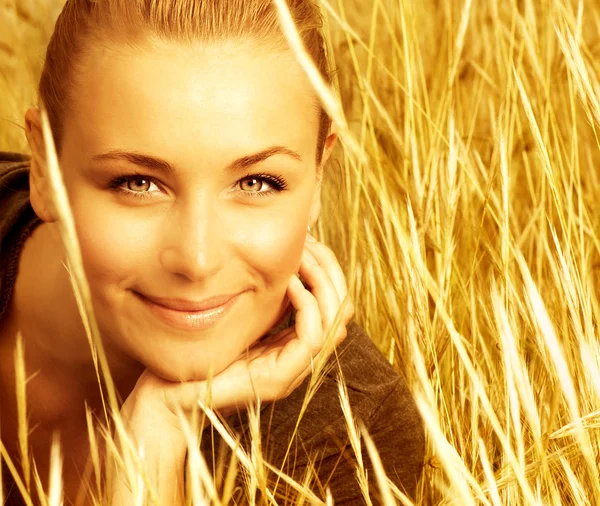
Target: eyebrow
(161, 165)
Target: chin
(186, 370)
(175, 378)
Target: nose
(194, 241)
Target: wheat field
(462, 206)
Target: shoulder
(10, 156)
(361, 364)
(17, 219)
(376, 393)
(14, 170)
(14, 191)
(379, 398)
(10, 160)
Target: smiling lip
(191, 306)
(189, 318)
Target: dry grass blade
(459, 476)
(80, 284)
(55, 493)
(227, 436)
(355, 441)
(304, 493)
(94, 451)
(564, 376)
(129, 458)
(229, 483)
(39, 488)
(382, 479)
(15, 475)
(21, 396)
(1, 481)
(331, 104)
(201, 482)
(489, 475)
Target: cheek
(275, 248)
(111, 247)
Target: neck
(58, 359)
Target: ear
(39, 192)
(327, 149)
(329, 143)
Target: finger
(349, 309)
(308, 325)
(243, 383)
(273, 374)
(272, 342)
(321, 287)
(333, 316)
(231, 390)
(185, 395)
(327, 259)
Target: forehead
(229, 97)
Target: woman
(192, 147)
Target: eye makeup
(274, 183)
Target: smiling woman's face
(223, 140)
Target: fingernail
(307, 256)
(310, 238)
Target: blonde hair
(184, 21)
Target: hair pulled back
(83, 22)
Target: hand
(276, 366)
(269, 370)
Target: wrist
(161, 450)
(157, 430)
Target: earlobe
(39, 193)
(38, 201)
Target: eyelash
(277, 183)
